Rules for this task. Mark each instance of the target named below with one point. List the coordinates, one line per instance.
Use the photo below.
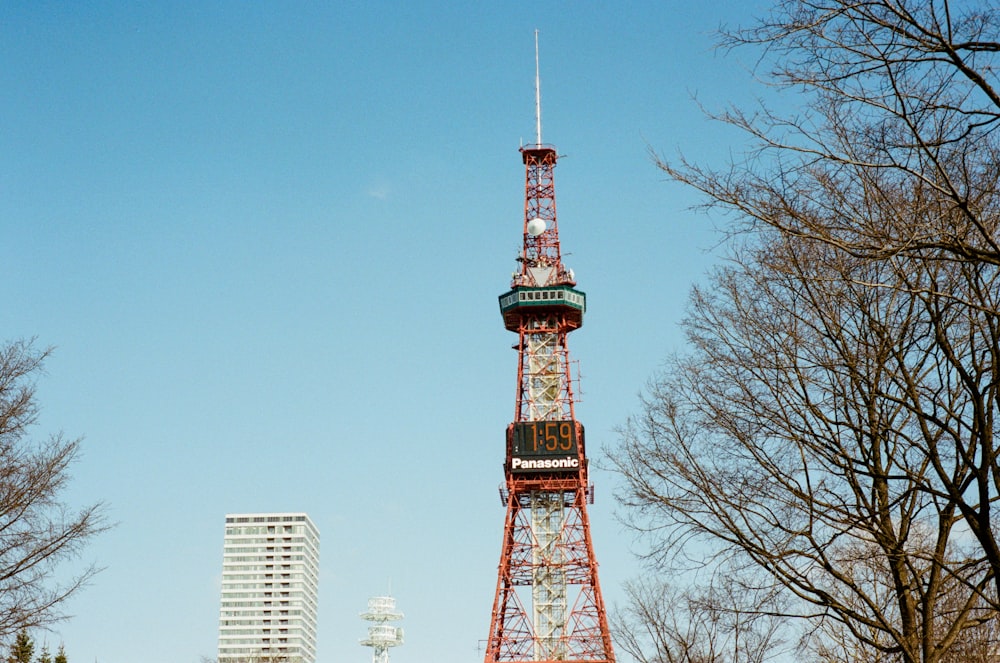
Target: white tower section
(381, 634)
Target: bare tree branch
(37, 531)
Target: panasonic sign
(524, 464)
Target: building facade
(270, 579)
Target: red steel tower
(548, 604)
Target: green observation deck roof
(556, 299)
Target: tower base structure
(548, 604)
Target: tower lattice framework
(548, 604)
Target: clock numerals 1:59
(545, 438)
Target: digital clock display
(544, 446)
(545, 438)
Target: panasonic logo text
(544, 464)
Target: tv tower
(548, 604)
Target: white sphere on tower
(536, 226)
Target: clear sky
(267, 240)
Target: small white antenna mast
(538, 97)
(382, 635)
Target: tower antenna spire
(538, 97)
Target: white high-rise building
(270, 579)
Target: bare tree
(260, 656)
(898, 96)
(787, 444)
(893, 156)
(721, 623)
(828, 641)
(38, 532)
(835, 424)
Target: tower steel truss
(548, 604)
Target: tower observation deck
(548, 604)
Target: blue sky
(267, 239)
